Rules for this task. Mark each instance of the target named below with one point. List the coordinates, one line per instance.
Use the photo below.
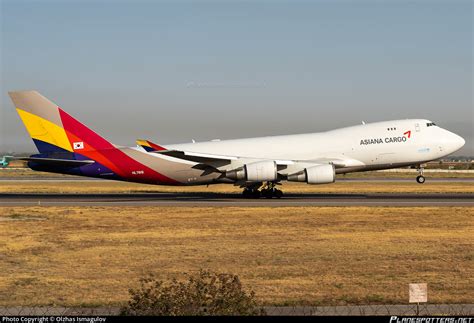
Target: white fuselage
(377, 145)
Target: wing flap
(195, 157)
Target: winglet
(149, 146)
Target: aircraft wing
(195, 157)
(337, 162)
(208, 163)
(222, 160)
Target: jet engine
(322, 174)
(255, 172)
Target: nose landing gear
(420, 178)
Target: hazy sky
(175, 71)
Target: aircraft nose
(461, 141)
(456, 142)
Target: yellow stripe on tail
(44, 130)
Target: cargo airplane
(67, 146)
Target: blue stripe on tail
(45, 148)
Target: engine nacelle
(255, 172)
(322, 174)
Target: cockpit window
(430, 124)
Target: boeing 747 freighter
(67, 146)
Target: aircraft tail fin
(149, 146)
(68, 146)
(52, 129)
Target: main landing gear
(420, 178)
(249, 193)
(267, 190)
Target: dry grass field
(298, 255)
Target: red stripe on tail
(102, 151)
(155, 146)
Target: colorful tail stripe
(56, 132)
(149, 146)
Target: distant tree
(205, 293)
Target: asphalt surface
(362, 179)
(221, 199)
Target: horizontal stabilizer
(149, 146)
(48, 161)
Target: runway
(362, 179)
(235, 200)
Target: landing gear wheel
(420, 179)
(267, 193)
(252, 192)
(278, 194)
(247, 193)
(256, 194)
